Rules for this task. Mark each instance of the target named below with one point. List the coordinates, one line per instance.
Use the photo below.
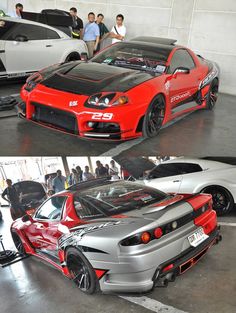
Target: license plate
(198, 237)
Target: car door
(30, 48)
(165, 177)
(5, 28)
(182, 85)
(43, 232)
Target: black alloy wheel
(18, 244)
(81, 271)
(74, 56)
(212, 95)
(223, 201)
(154, 117)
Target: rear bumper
(183, 262)
(130, 277)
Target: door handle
(176, 181)
(48, 46)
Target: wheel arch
(141, 119)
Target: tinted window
(172, 169)
(32, 32)
(181, 58)
(51, 34)
(5, 28)
(51, 209)
(115, 198)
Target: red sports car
(119, 236)
(128, 90)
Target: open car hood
(30, 192)
(136, 166)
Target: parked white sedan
(185, 175)
(197, 175)
(26, 47)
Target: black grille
(55, 118)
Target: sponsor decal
(75, 237)
(102, 116)
(73, 103)
(180, 97)
(167, 85)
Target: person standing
(100, 170)
(78, 26)
(91, 34)
(104, 32)
(58, 182)
(18, 10)
(11, 195)
(118, 31)
(80, 173)
(87, 175)
(113, 171)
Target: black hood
(91, 78)
(30, 191)
(136, 166)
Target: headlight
(32, 81)
(108, 100)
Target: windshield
(114, 199)
(132, 56)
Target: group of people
(59, 182)
(94, 31)
(77, 175)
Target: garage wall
(206, 26)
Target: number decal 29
(102, 116)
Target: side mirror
(21, 38)
(27, 218)
(181, 70)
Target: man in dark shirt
(100, 170)
(78, 26)
(11, 195)
(104, 32)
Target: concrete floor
(200, 133)
(209, 287)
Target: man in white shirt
(113, 171)
(18, 10)
(118, 32)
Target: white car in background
(186, 175)
(27, 46)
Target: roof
(156, 40)
(204, 163)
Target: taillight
(158, 233)
(168, 267)
(145, 237)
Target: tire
(18, 243)
(212, 95)
(154, 117)
(79, 266)
(223, 201)
(0, 215)
(74, 56)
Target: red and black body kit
(128, 90)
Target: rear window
(115, 198)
